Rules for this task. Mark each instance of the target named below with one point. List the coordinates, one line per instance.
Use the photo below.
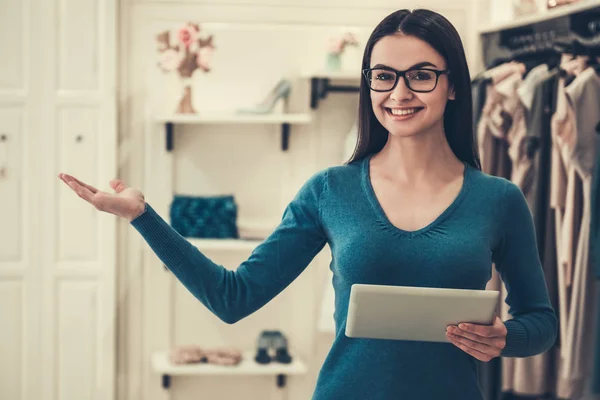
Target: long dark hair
(436, 30)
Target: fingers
(483, 342)
(478, 354)
(68, 178)
(117, 185)
(62, 178)
(485, 345)
(454, 331)
(86, 192)
(481, 330)
(488, 331)
(82, 191)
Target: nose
(401, 92)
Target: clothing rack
(542, 41)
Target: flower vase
(334, 62)
(185, 103)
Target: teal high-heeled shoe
(281, 91)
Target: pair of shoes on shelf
(281, 91)
(194, 354)
(276, 341)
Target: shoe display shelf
(247, 367)
(320, 86)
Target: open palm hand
(126, 202)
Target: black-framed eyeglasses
(420, 80)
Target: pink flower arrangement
(191, 52)
(337, 45)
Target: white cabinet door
(78, 242)
(57, 253)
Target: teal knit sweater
(489, 222)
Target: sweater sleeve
(533, 327)
(234, 294)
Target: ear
(451, 93)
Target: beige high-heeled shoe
(281, 91)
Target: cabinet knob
(79, 138)
(3, 137)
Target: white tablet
(415, 313)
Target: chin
(404, 132)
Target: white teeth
(404, 112)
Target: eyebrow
(418, 65)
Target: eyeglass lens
(418, 79)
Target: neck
(422, 156)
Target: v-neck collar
(368, 186)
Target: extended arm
(272, 266)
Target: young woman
(410, 208)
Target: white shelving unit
(247, 367)
(162, 167)
(543, 16)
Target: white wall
(257, 42)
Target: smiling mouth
(403, 112)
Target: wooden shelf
(542, 16)
(224, 244)
(247, 367)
